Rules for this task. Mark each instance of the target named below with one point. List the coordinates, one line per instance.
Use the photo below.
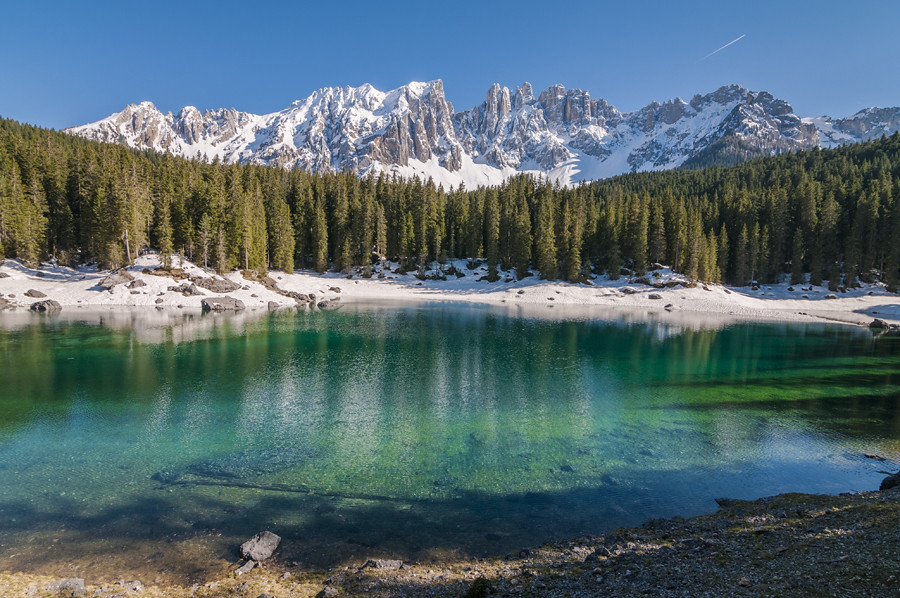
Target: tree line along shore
(820, 215)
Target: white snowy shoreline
(702, 305)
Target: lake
(157, 442)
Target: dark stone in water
(167, 476)
(890, 482)
(249, 463)
(329, 304)
(47, 305)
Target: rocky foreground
(787, 545)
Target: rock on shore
(221, 304)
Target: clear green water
(418, 431)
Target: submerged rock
(244, 464)
(167, 476)
(222, 304)
(261, 546)
(47, 305)
(890, 482)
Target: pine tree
(741, 258)
(797, 258)
(657, 232)
(320, 239)
(492, 233)
(164, 234)
(521, 237)
(544, 237)
(205, 231)
(221, 251)
(722, 254)
(281, 235)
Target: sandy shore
(675, 300)
(787, 545)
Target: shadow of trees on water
(187, 531)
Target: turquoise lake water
(413, 432)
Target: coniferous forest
(832, 214)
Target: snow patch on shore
(79, 288)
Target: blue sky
(68, 63)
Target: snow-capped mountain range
(564, 135)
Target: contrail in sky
(723, 47)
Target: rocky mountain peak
(563, 134)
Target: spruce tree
(492, 233)
(205, 232)
(797, 258)
(544, 236)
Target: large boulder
(879, 324)
(34, 294)
(890, 481)
(216, 285)
(332, 303)
(47, 305)
(261, 546)
(116, 278)
(221, 304)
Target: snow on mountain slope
(865, 125)
(564, 135)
